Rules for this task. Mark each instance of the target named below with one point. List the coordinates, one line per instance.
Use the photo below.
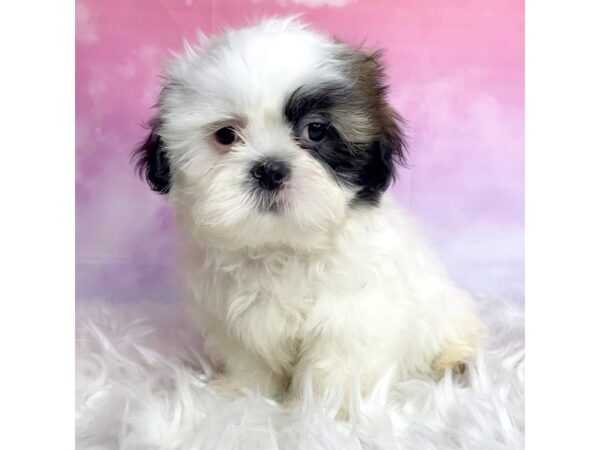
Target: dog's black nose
(270, 174)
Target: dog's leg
(247, 372)
(242, 369)
(459, 347)
(330, 369)
(323, 370)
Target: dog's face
(272, 135)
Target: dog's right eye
(226, 136)
(315, 131)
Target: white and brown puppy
(275, 146)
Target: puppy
(275, 146)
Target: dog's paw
(226, 387)
(457, 368)
(291, 402)
(460, 349)
(454, 359)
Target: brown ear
(389, 148)
(152, 162)
(372, 81)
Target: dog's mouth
(272, 202)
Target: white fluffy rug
(141, 383)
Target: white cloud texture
(314, 3)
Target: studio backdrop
(456, 72)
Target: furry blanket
(142, 383)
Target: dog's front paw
(291, 402)
(226, 387)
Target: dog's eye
(226, 136)
(315, 131)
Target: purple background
(457, 75)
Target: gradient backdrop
(457, 75)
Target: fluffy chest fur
(273, 300)
(261, 299)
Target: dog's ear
(152, 162)
(391, 141)
(381, 160)
(388, 150)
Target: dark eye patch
(366, 165)
(312, 100)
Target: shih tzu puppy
(275, 146)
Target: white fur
(141, 383)
(373, 299)
(323, 291)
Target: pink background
(457, 75)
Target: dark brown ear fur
(152, 162)
(389, 148)
(371, 82)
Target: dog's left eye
(315, 131)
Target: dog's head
(271, 135)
